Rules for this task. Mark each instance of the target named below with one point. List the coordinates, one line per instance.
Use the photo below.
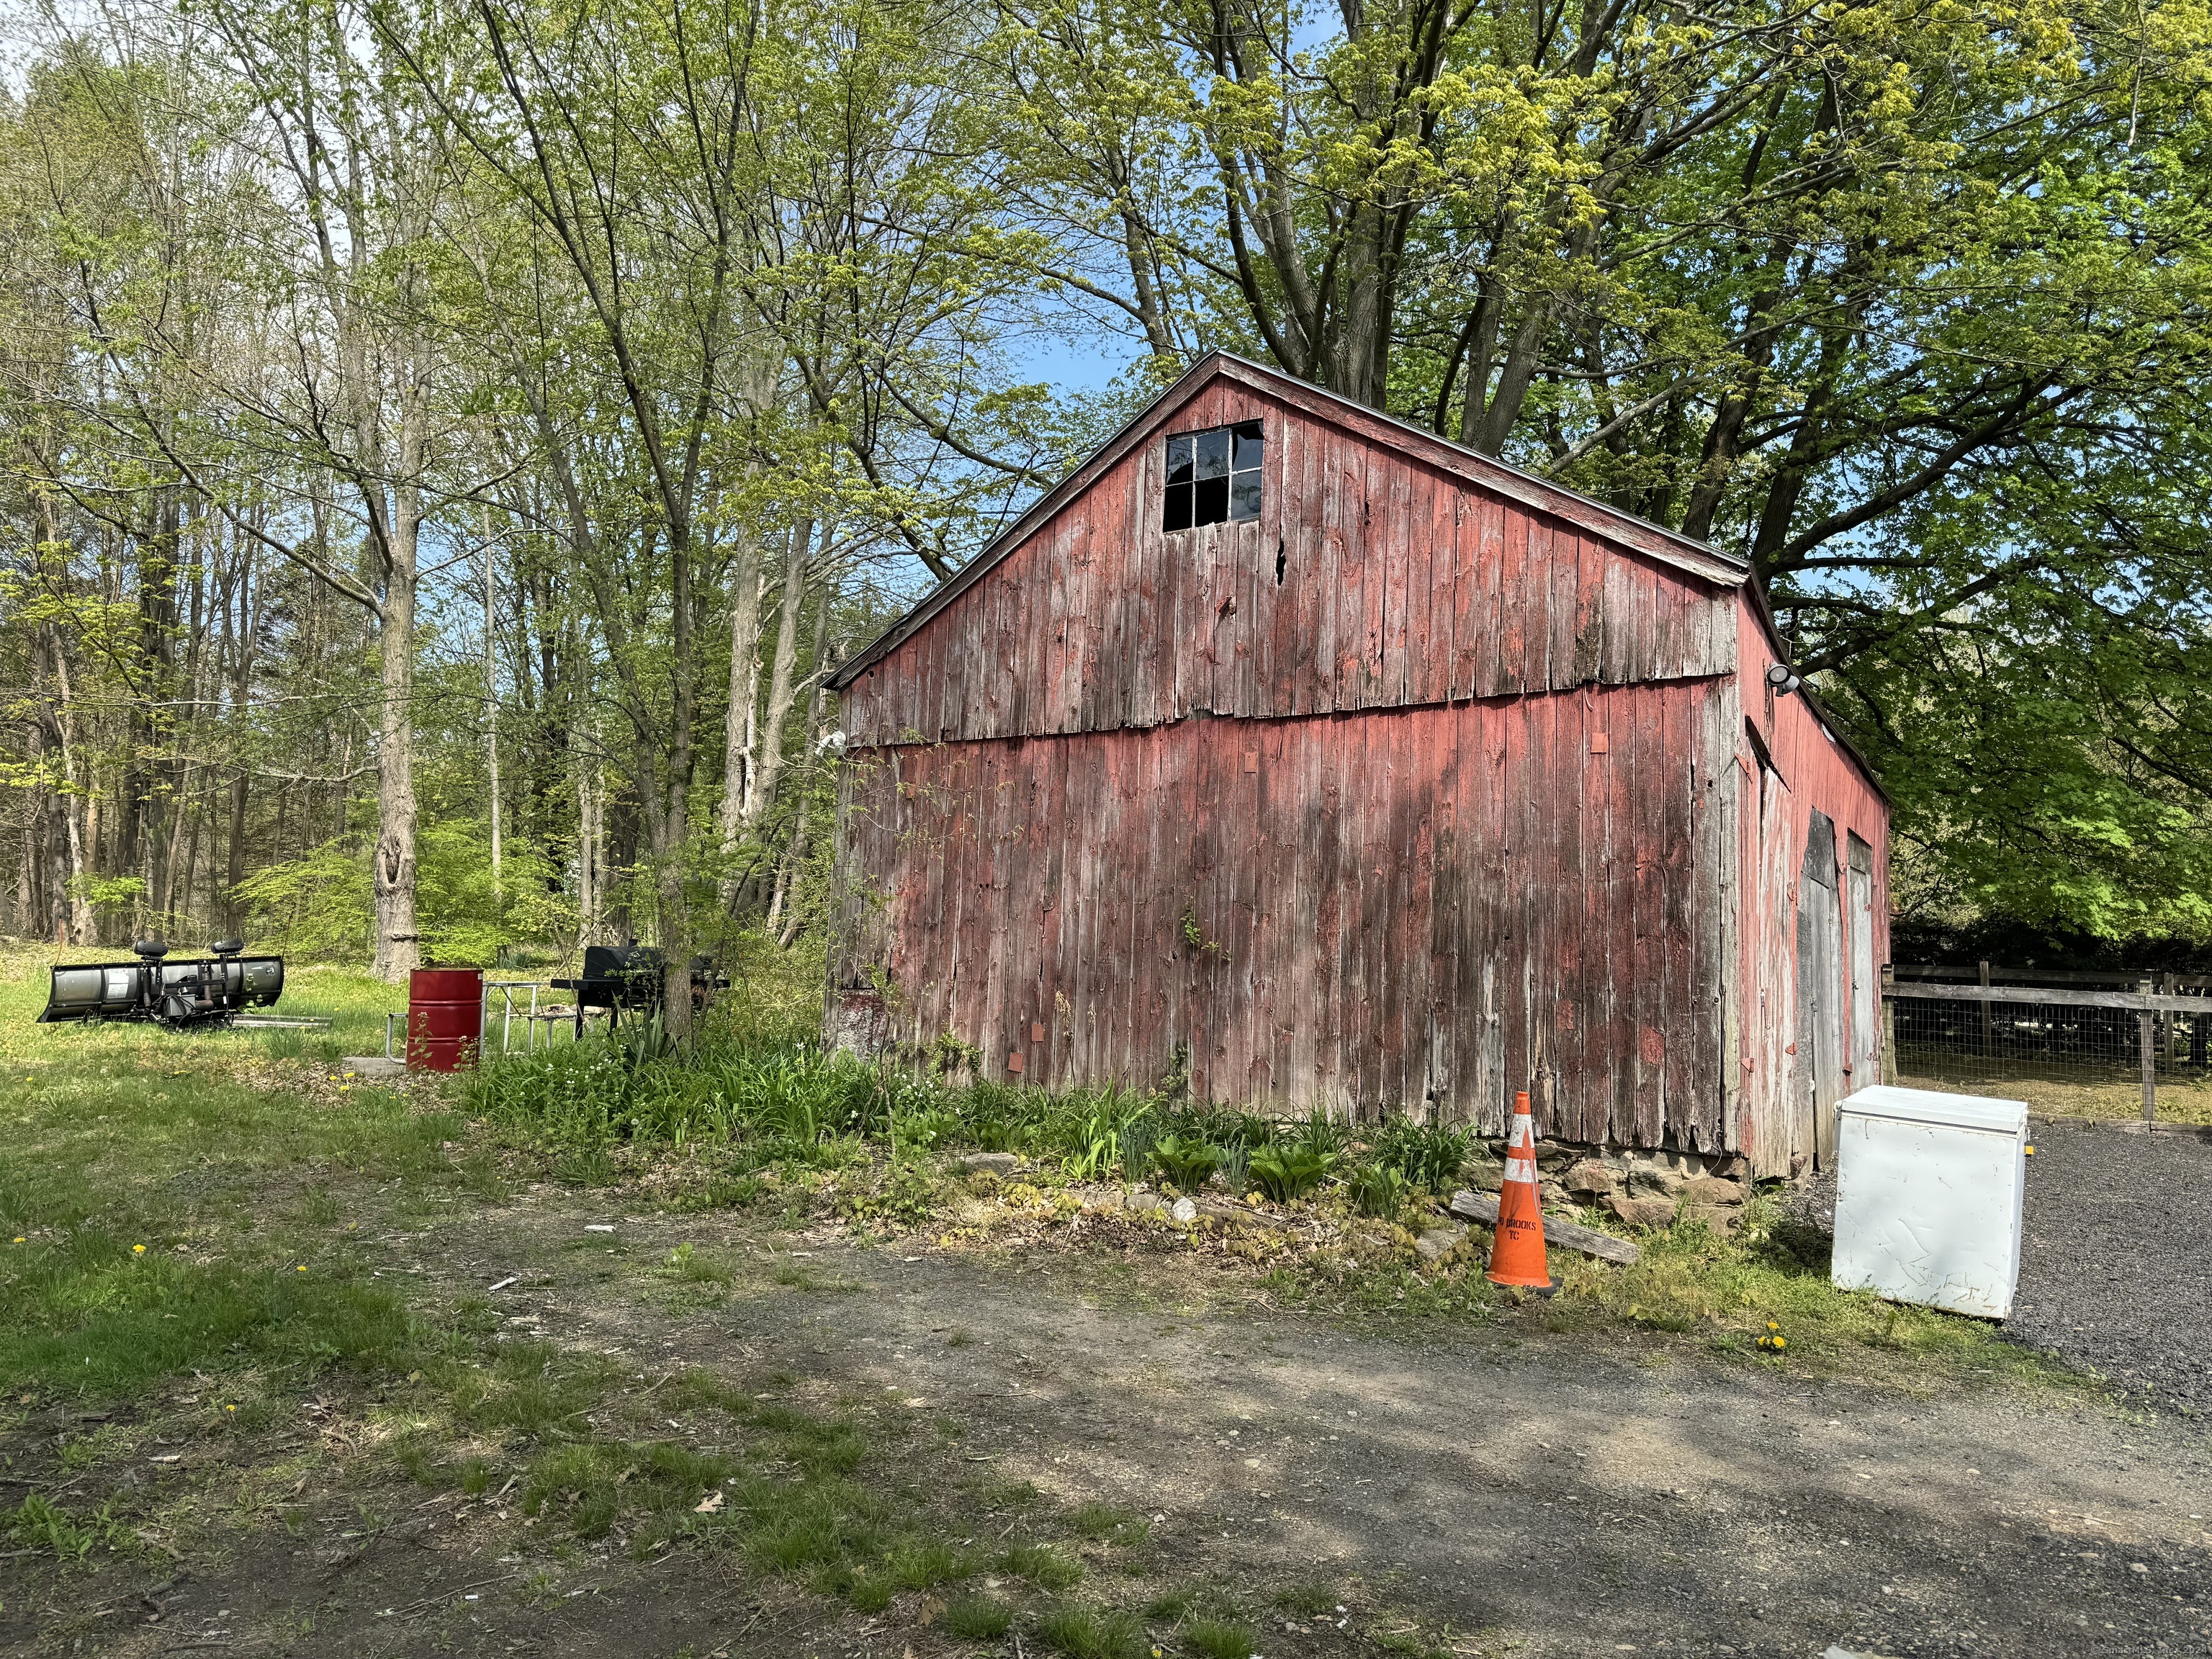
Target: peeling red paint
(1305, 806)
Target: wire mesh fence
(2068, 1049)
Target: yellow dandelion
(19, 1238)
(230, 1408)
(302, 1269)
(1781, 1341)
(138, 1250)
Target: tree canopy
(485, 423)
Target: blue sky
(1069, 366)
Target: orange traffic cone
(1518, 1258)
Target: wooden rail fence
(2161, 1004)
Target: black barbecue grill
(620, 979)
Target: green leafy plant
(919, 1131)
(645, 1043)
(1321, 1133)
(1236, 1161)
(1094, 1140)
(1428, 1155)
(39, 1523)
(1193, 934)
(1378, 1189)
(1288, 1173)
(1184, 1161)
(1138, 1136)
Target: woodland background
(443, 446)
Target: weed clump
(1081, 1633)
(1216, 1638)
(977, 1618)
(39, 1524)
(1043, 1566)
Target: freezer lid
(2004, 1117)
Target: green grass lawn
(188, 1223)
(189, 1247)
(168, 1199)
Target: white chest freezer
(1928, 1197)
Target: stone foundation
(1645, 1189)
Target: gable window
(1213, 476)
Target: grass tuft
(1308, 1600)
(1082, 1632)
(1043, 1566)
(1109, 1525)
(1216, 1639)
(977, 1618)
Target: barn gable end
(1375, 577)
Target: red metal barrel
(445, 1017)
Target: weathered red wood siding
(1811, 772)
(1422, 787)
(1441, 904)
(1397, 585)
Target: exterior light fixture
(1781, 679)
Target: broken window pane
(1213, 476)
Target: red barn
(1332, 765)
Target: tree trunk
(781, 909)
(491, 694)
(780, 697)
(398, 942)
(590, 838)
(398, 947)
(234, 870)
(81, 803)
(672, 847)
(738, 726)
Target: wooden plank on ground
(1568, 1235)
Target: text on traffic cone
(1518, 1258)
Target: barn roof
(1625, 530)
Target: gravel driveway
(2116, 1268)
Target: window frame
(1194, 496)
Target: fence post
(1986, 1011)
(1888, 1070)
(2144, 1022)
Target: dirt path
(1526, 1490)
(1500, 1491)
